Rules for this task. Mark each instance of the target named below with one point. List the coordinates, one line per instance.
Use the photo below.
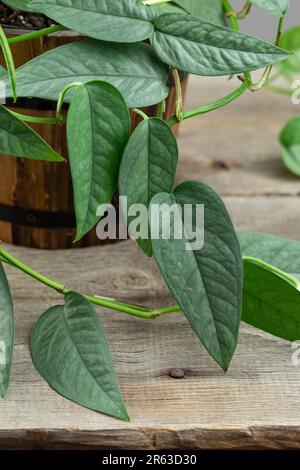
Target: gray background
(263, 25)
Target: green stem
(245, 11)
(167, 310)
(62, 96)
(215, 105)
(140, 113)
(60, 288)
(234, 24)
(231, 14)
(9, 60)
(237, 15)
(38, 120)
(26, 269)
(267, 73)
(227, 99)
(36, 34)
(178, 93)
(161, 109)
(120, 307)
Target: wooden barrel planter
(36, 197)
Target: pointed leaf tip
(70, 352)
(206, 282)
(6, 333)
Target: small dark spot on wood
(176, 374)
(220, 165)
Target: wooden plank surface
(235, 149)
(256, 404)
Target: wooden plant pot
(36, 197)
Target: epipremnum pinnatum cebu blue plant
(124, 63)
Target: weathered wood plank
(236, 149)
(205, 409)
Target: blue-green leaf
(202, 48)
(108, 20)
(274, 7)
(70, 352)
(207, 10)
(270, 301)
(280, 252)
(132, 68)
(98, 128)
(271, 298)
(148, 166)
(207, 283)
(19, 140)
(6, 333)
(24, 5)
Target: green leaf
(70, 352)
(270, 302)
(98, 127)
(132, 68)
(274, 7)
(290, 41)
(207, 10)
(201, 48)
(271, 299)
(207, 282)
(108, 20)
(282, 253)
(24, 5)
(291, 159)
(168, 7)
(148, 166)
(290, 141)
(6, 333)
(19, 140)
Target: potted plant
(124, 65)
(31, 213)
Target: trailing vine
(123, 66)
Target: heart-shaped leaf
(282, 253)
(19, 140)
(207, 10)
(201, 48)
(270, 301)
(148, 167)
(206, 282)
(290, 141)
(70, 352)
(98, 128)
(274, 7)
(108, 20)
(132, 68)
(6, 333)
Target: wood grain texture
(255, 405)
(236, 149)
